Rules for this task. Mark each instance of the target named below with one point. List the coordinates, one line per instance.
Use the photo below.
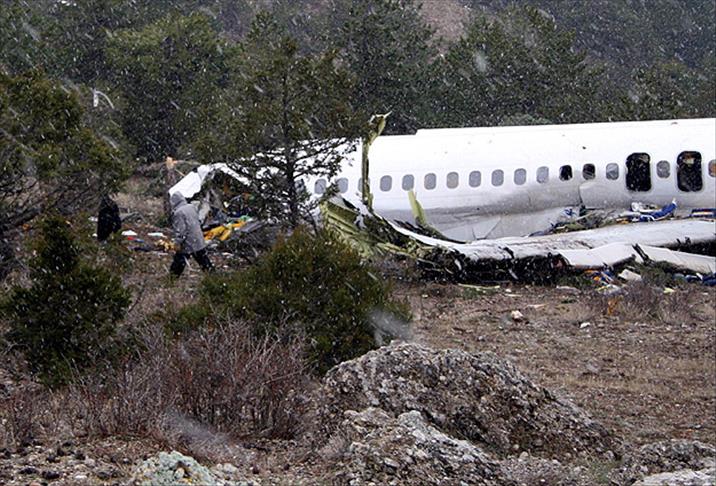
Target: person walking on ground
(108, 220)
(188, 238)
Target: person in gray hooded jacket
(188, 236)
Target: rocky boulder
(687, 477)
(669, 456)
(372, 447)
(473, 396)
(174, 469)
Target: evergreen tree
(387, 46)
(21, 28)
(168, 73)
(48, 157)
(286, 116)
(66, 320)
(670, 90)
(519, 64)
(80, 32)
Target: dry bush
(223, 379)
(130, 399)
(641, 301)
(18, 415)
(238, 383)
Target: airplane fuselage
(510, 181)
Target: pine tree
(519, 64)
(48, 157)
(169, 72)
(387, 46)
(66, 319)
(285, 116)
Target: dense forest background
(89, 85)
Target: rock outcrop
(371, 447)
(654, 462)
(173, 469)
(477, 397)
(686, 477)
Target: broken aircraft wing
(595, 248)
(586, 249)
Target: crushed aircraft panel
(517, 256)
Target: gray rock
(529, 470)
(172, 469)
(379, 449)
(477, 396)
(665, 457)
(686, 477)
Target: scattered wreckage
(561, 239)
(643, 236)
(531, 258)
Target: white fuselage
(509, 181)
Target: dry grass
(645, 302)
(18, 417)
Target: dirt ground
(644, 365)
(646, 368)
(645, 378)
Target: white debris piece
(629, 276)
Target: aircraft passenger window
(688, 172)
(638, 172)
(386, 182)
(498, 177)
(712, 168)
(360, 184)
(612, 172)
(542, 175)
(663, 169)
(475, 178)
(565, 172)
(430, 181)
(589, 172)
(520, 176)
(408, 182)
(342, 185)
(320, 186)
(453, 179)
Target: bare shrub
(19, 414)
(645, 302)
(236, 382)
(223, 379)
(131, 399)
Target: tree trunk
(292, 193)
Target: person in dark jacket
(108, 220)
(188, 237)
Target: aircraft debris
(526, 258)
(630, 276)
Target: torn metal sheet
(702, 264)
(518, 257)
(619, 253)
(604, 256)
(191, 184)
(670, 234)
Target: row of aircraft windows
(638, 175)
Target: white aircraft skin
(523, 182)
